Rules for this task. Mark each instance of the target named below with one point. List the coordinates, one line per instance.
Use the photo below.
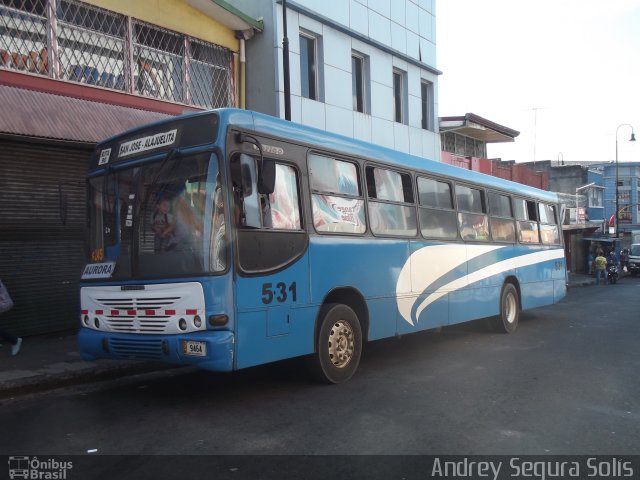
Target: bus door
(272, 284)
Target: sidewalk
(580, 280)
(50, 362)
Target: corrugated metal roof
(39, 114)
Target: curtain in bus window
(549, 234)
(503, 230)
(338, 214)
(547, 213)
(388, 185)
(520, 209)
(333, 176)
(282, 210)
(473, 226)
(528, 232)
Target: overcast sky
(564, 73)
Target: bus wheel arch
(510, 306)
(353, 299)
(339, 337)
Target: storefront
(44, 148)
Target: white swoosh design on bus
(406, 305)
(426, 265)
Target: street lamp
(632, 139)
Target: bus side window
(437, 215)
(392, 212)
(337, 203)
(548, 224)
(527, 216)
(472, 218)
(503, 228)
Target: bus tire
(338, 344)
(507, 320)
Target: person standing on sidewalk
(6, 304)
(601, 268)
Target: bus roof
(349, 146)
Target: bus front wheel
(507, 320)
(338, 344)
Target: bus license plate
(198, 349)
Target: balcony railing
(74, 41)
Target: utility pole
(285, 64)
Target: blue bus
(227, 239)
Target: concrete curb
(585, 283)
(75, 374)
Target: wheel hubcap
(341, 344)
(510, 308)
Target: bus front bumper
(215, 349)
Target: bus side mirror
(267, 176)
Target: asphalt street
(565, 383)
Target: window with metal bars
(87, 44)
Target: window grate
(210, 75)
(23, 36)
(91, 45)
(158, 62)
(83, 43)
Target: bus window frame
(453, 209)
(554, 208)
(412, 180)
(268, 233)
(484, 213)
(312, 191)
(519, 220)
(500, 217)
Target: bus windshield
(154, 220)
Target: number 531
(280, 292)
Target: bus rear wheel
(338, 345)
(507, 320)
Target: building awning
(474, 126)
(581, 226)
(229, 16)
(600, 239)
(38, 114)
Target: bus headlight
(86, 320)
(96, 322)
(182, 324)
(197, 321)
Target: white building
(361, 68)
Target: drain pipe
(243, 77)
(285, 64)
(242, 88)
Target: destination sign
(98, 270)
(134, 147)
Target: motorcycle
(612, 274)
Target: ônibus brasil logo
(33, 468)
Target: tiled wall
(408, 27)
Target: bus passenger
(163, 225)
(266, 212)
